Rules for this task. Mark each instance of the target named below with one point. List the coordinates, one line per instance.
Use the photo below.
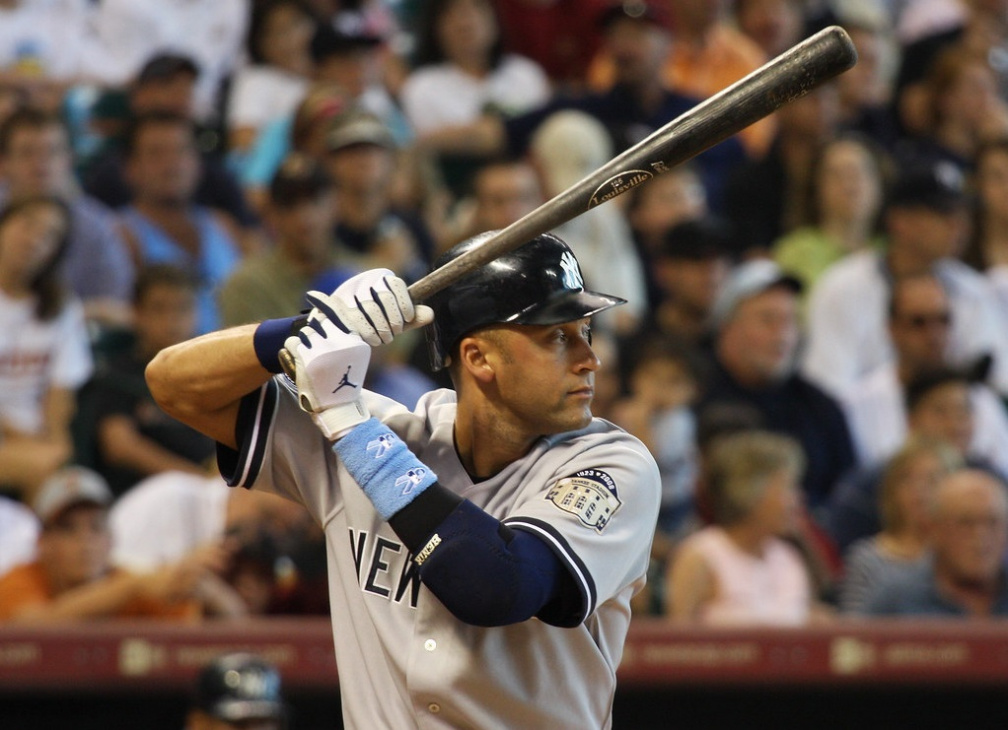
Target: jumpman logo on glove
(345, 380)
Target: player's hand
(329, 365)
(375, 304)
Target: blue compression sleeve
(487, 574)
(388, 472)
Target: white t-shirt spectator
(129, 32)
(44, 37)
(19, 528)
(166, 516)
(444, 95)
(261, 94)
(876, 414)
(847, 322)
(37, 355)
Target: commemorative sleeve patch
(590, 495)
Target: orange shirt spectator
(73, 577)
(701, 68)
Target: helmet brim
(566, 306)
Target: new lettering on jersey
(590, 495)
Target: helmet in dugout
(540, 283)
(239, 687)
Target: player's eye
(587, 333)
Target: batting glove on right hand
(330, 365)
(375, 304)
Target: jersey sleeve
(598, 515)
(280, 450)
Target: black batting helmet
(240, 686)
(538, 283)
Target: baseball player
(483, 549)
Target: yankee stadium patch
(589, 494)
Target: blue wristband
(388, 472)
(269, 339)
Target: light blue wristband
(388, 472)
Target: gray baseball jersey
(404, 660)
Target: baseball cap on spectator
(356, 127)
(166, 66)
(745, 282)
(644, 10)
(698, 239)
(299, 178)
(70, 487)
(939, 186)
(348, 32)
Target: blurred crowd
(815, 344)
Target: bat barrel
(783, 79)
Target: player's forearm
(202, 381)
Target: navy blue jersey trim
(255, 414)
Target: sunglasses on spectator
(920, 321)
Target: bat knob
(287, 363)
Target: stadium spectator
(127, 436)
(19, 528)
(926, 224)
(165, 223)
(919, 323)
(740, 570)
(902, 546)
(773, 25)
(210, 32)
(708, 54)
(562, 36)
(689, 267)
(987, 250)
(567, 147)
(846, 183)
(361, 156)
(757, 336)
(938, 408)
(966, 575)
(165, 85)
(462, 69)
(72, 577)
(45, 354)
(636, 105)
(769, 197)
(352, 52)
(36, 159)
(503, 190)
(301, 216)
(276, 75)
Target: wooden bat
(783, 79)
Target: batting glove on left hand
(330, 365)
(375, 304)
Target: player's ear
(473, 352)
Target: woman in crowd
(45, 352)
(846, 195)
(905, 495)
(741, 570)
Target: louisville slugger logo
(618, 184)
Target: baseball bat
(783, 79)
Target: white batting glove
(330, 365)
(375, 304)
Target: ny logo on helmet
(571, 272)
